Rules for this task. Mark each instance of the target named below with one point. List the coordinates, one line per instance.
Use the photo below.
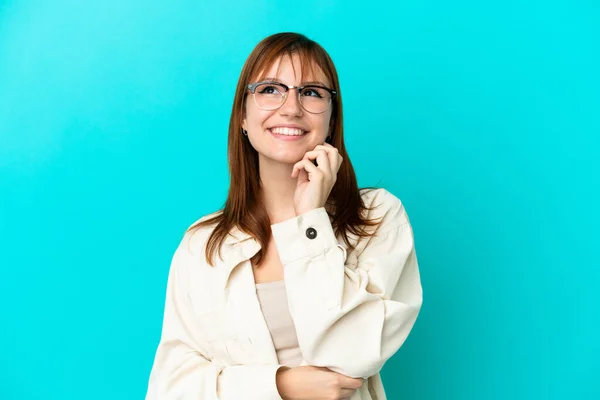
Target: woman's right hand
(315, 383)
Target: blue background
(483, 117)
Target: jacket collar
(236, 236)
(238, 247)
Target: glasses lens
(315, 99)
(269, 96)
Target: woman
(303, 285)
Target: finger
(331, 156)
(314, 154)
(351, 383)
(309, 167)
(324, 161)
(335, 160)
(322, 158)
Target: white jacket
(352, 310)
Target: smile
(288, 134)
(287, 131)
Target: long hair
(242, 208)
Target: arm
(182, 371)
(350, 318)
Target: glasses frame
(252, 87)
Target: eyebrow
(303, 83)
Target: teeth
(288, 131)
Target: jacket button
(311, 233)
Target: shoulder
(194, 238)
(189, 265)
(384, 206)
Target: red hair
(242, 208)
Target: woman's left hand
(315, 181)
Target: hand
(315, 383)
(315, 181)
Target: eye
(269, 89)
(310, 91)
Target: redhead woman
(303, 285)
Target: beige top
(272, 297)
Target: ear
(244, 122)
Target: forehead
(294, 71)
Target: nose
(291, 105)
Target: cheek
(324, 125)
(327, 119)
(257, 117)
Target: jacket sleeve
(182, 370)
(350, 318)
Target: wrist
(306, 210)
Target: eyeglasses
(271, 95)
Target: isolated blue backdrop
(481, 116)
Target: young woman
(303, 285)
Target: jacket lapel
(238, 248)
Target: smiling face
(283, 145)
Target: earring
(244, 132)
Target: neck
(278, 189)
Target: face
(259, 123)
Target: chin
(289, 159)
(286, 158)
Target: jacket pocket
(210, 315)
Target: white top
(352, 309)
(272, 297)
